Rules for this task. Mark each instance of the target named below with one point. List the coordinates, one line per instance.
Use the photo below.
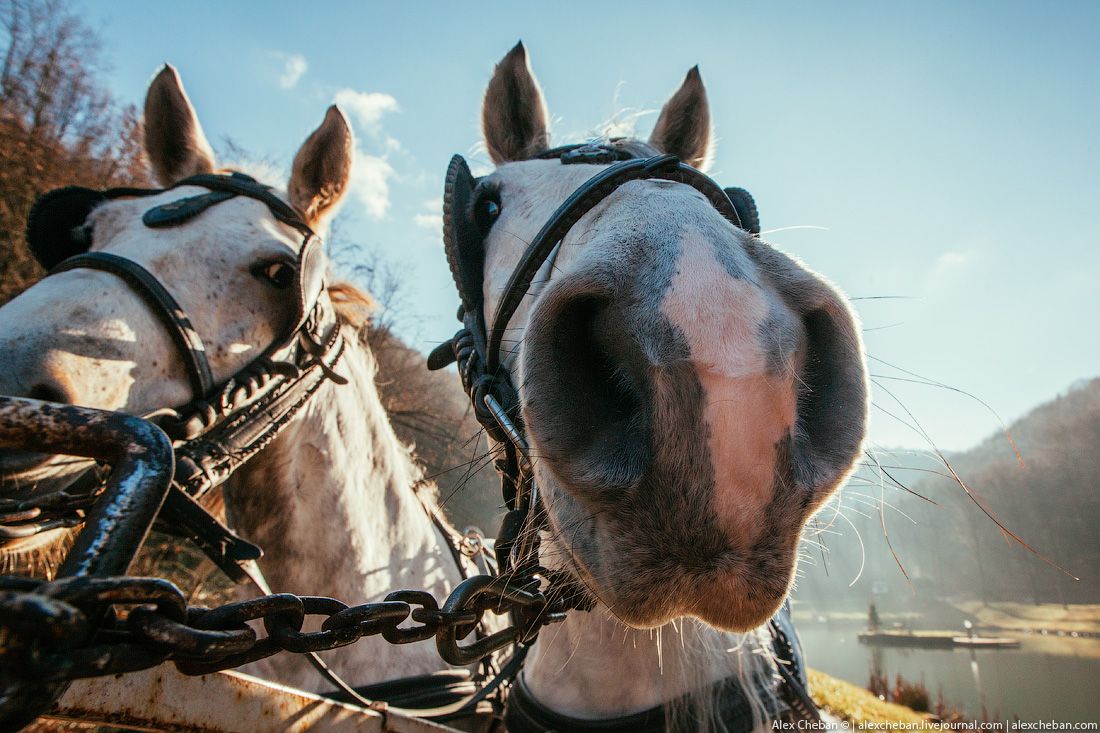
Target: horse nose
(588, 416)
(30, 372)
(43, 387)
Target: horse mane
(354, 306)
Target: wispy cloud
(948, 265)
(429, 221)
(366, 108)
(294, 67)
(370, 184)
(952, 259)
(433, 220)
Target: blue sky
(948, 151)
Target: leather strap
(242, 185)
(166, 308)
(525, 714)
(583, 200)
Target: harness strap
(242, 185)
(583, 200)
(166, 308)
(221, 427)
(525, 714)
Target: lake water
(1046, 678)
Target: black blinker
(746, 209)
(442, 356)
(462, 237)
(55, 225)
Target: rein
(476, 349)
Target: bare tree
(58, 124)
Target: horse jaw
(635, 670)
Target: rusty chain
(95, 620)
(146, 622)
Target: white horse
(691, 396)
(331, 500)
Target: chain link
(90, 627)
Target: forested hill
(1048, 498)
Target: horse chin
(725, 600)
(23, 549)
(37, 556)
(646, 586)
(26, 476)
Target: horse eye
(279, 275)
(82, 236)
(486, 212)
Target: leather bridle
(477, 347)
(223, 187)
(477, 350)
(224, 425)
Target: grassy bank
(854, 704)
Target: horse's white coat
(332, 500)
(332, 504)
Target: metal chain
(90, 627)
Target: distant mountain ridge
(951, 549)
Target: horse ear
(513, 116)
(174, 140)
(683, 128)
(322, 168)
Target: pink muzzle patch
(747, 410)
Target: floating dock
(935, 640)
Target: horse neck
(332, 501)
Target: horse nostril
(49, 393)
(584, 393)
